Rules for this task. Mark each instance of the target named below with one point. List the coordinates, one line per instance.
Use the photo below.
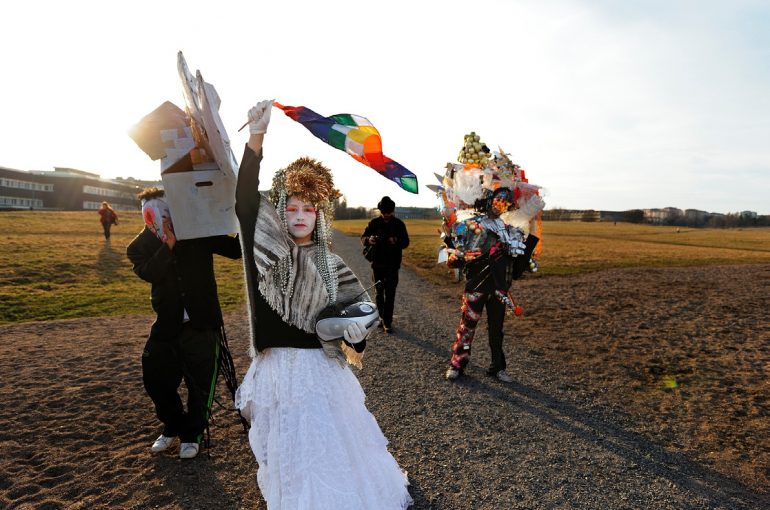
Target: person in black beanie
(386, 237)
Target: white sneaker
(502, 375)
(188, 450)
(452, 373)
(162, 443)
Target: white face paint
(300, 218)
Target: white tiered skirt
(316, 444)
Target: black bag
(368, 252)
(521, 263)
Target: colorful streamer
(356, 136)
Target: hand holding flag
(259, 117)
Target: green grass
(576, 247)
(56, 265)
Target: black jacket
(489, 273)
(182, 279)
(386, 254)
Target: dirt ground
(632, 389)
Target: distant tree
(343, 212)
(737, 220)
(716, 222)
(340, 209)
(674, 217)
(633, 216)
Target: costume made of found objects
(186, 339)
(488, 206)
(316, 444)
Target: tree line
(670, 216)
(679, 219)
(343, 212)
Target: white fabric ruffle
(317, 445)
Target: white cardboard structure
(200, 195)
(202, 202)
(197, 165)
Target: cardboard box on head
(202, 202)
(157, 130)
(198, 168)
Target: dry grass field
(57, 265)
(576, 247)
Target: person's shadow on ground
(108, 262)
(643, 453)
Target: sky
(609, 105)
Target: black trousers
(193, 356)
(106, 227)
(495, 320)
(386, 291)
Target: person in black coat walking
(385, 237)
(187, 336)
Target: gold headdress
(309, 180)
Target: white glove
(354, 333)
(259, 117)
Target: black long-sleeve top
(182, 279)
(488, 273)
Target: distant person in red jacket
(108, 217)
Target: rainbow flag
(356, 136)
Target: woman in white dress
(316, 444)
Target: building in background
(65, 189)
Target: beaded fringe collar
(288, 277)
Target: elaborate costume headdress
(312, 182)
(309, 180)
(473, 185)
(467, 187)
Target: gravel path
(482, 444)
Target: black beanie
(386, 205)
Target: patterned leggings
(473, 305)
